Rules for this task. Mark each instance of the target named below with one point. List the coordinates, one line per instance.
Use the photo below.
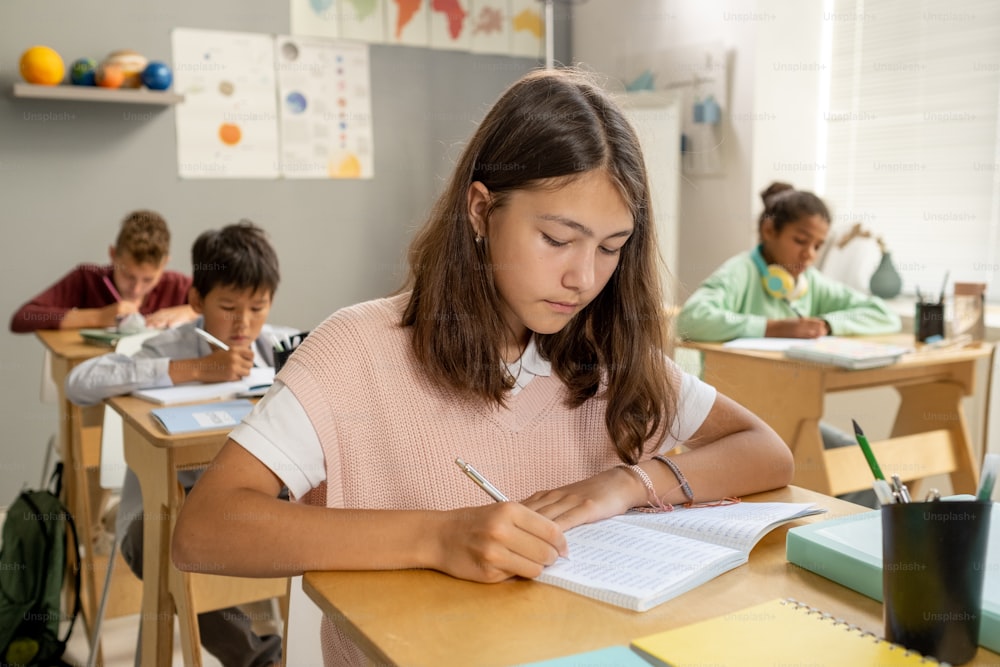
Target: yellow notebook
(778, 632)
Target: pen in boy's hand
(111, 288)
(211, 340)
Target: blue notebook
(613, 656)
(202, 416)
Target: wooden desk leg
(938, 405)
(152, 467)
(180, 590)
(788, 396)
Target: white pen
(483, 483)
(211, 340)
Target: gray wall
(66, 183)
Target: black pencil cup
(929, 321)
(933, 568)
(282, 355)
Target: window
(911, 136)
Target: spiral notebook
(773, 633)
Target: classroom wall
(70, 171)
(715, 211)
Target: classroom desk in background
(80, 451)
(155, 457)
(929, 436)
(422, 617)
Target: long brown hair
(548, 125)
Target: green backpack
(32, 571)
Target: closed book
(848, 550)
(202, 416)
(640, 560)
(102, 337)
(778, 632)
(850, 353)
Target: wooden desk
(420, 617)
(156, 457)
(80, 451)
(929, 437)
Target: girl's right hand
(494, 542)
(796, 327)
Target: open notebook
(259, 380)
(641, 560)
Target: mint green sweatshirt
(732, 303)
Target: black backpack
(32, 571)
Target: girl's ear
(478, 203)
(195, 301)
(767, 231)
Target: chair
(112, 474)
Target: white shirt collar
(531, 364)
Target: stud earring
(479, 239)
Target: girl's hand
(605, 495)
(495, 542)
(797, 327)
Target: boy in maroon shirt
(135, 282)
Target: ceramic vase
(885, 282)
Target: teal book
(613, 656)
(202, 416)
(848, 550)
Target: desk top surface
(921, 356)
(421, 617)
(69, 344)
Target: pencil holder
(933, 567)
(282, 355)
(928, 321)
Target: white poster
(227, 126)
(363, 20)
(324, 91)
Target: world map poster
(504, 27)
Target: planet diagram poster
(227, 126)
(260, 106)
(325, 108)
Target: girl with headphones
(773, 290)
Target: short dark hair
(238, 256)
(144, 236)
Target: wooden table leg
(938, 405)
(152, 467)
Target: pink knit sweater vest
(391, 437)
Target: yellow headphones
(776, 279)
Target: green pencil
(988, 477)
(866, 448)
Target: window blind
(911, 136)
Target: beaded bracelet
(685, 487)
(655, 504)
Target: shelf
(96, 94)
